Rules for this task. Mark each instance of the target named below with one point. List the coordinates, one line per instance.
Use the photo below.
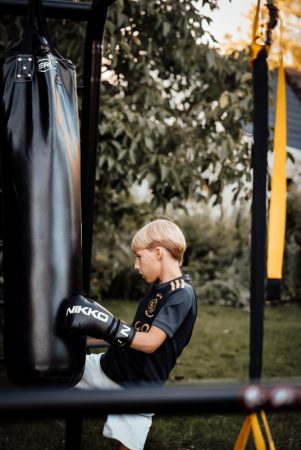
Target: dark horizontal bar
(188, 400)
(56, 9)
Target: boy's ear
(159, 252)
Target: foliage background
(217, 257)
(172, 117)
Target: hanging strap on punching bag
(277, 212)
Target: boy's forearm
(150, 341)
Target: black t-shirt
(172, 307)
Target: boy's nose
(136, 265)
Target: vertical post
(73, 433)
(258, 231)
(89, 140)
(89, 128)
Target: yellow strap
(277, 213)
(268, 432)
(257, 433)
(242, 438)
(255, 46)
(251, 422)
(255, 21)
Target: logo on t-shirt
(151, 307)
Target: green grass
(218, 351)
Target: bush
(292, 255)
(217, 258)
(113, 274)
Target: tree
(290, 13)
(173, 113)
(173, 107)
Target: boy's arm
(86, 317)
(150, 341)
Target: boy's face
(148, 264)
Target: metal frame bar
(53, 8)
(185, 400)
(258, 223)
(89, 128)
(259, 207)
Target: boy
(146, 351)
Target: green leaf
(166, 28)
(164, 171)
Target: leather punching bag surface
(40, 156)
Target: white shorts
(129, 429)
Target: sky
(229, 17)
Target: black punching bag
(40, 157)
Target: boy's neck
(170, 274)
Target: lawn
(218, 351)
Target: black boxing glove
(88, 318)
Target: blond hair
(161, 233)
